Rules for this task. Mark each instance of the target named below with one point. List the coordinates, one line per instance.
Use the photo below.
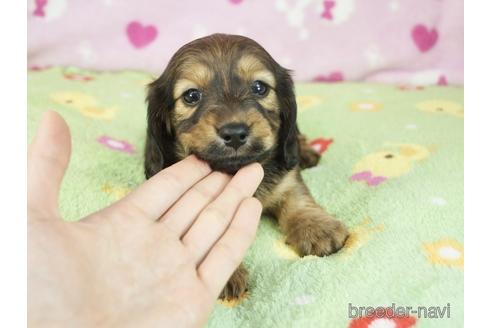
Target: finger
(47, 161)
(182, 214)
(215, 218)
(155, 196)
(229, 251)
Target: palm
(122, 261)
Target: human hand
(158, 257)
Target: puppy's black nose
(234, 134)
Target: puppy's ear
(160, 146)
(288, 152)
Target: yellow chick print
(377, 167)
(306, 102)
(85, 104)
(360, 235)
(442, 106)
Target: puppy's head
(224, 99)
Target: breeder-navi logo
(430, 312)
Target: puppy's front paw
(237, 284)
(309, 157)
(318, 236)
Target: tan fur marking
(182, 85)
(200, 136)
(193, 75)
(251, 69)
(182, 111)
(265, 76)
(275, 197)
(260, 128)
(270, 101)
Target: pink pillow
(418, 41)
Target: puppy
(224, 99)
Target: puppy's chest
(275, 187)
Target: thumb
(47, 160)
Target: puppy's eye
(192, 96)
(259, 88)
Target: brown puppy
(224, 99)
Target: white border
(478, 163)
(13, 165)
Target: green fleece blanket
(391, 169)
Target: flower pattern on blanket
(87, 105)
(445, 252)
(115, 191)
(77, 77)
(366, 106)
(385, 319)
(410, 87)
(284, 251)
(320, 145)
(287, 252)
(360, 234)
(378, 167)
(441, 106)
(117, 145)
